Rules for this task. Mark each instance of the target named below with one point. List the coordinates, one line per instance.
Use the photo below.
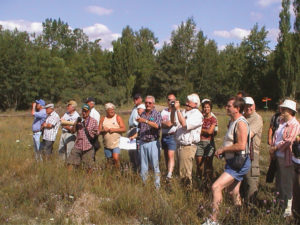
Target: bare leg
(171, 161)
(224, 181)
(200, 166)
(116, 159)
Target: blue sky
(224, 21)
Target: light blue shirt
(39, 119)
(132, 119)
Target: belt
(147, 141)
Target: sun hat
(72, 103)
(249, 101)
(289, 104)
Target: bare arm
(33, 108)
(150, 123)
(122, 128)
(209, 131)
(242, 136)
(270, 134)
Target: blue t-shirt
(39, 119)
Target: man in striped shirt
(50, 127)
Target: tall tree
(296, 50)
(255, 48)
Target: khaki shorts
(78, 156)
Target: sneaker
(210, 222)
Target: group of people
(188, 134)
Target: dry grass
(45, 193)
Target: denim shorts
(238, 175)
(205, 149)
(108, 152)
(168, 142)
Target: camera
(296, 149)
(79, 120)
(172, 104)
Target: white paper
(127, 144)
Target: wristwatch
(146, 121)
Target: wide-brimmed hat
(72, 103)
(194, 98)
(290, 104)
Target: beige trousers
(186, 156)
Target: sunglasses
(148, 103)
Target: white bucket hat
(249, 101)
(141, 106)
(289, 104)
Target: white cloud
(23, 25)
(256, 16)
(98, 10)
(221, 47)
(96, 31)
(266, 3)
(273, 34)
(100, 31)
(238, 33)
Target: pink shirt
(291, 130)
(82, 142)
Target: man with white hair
(67, 139)
(249, 185)
(50, 126)
(93, 113)
(188, 135)
(149, 127)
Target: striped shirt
(291, 130)
(50, 133)
(82, 142)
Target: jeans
(149, 153)
(36, 144)
(66, 144)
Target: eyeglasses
(148, 103)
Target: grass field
(46, 193)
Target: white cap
(289, 104)
(51, 105)
(141, 106)
(205, 100)
(249, 101)
(194, 98)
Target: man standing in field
(249, 186)
(93, 112)
(40, 115)
(149, 126)
(50, 127)
(188, 135)
(83, 151)
(67, 139)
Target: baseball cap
(141, 106)
(137, 95)
(85, 107)
(249, 101)
(72, 103)
(90, 99)
(51, 105)
(41, 102)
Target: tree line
(62, 64)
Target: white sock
(169, 175)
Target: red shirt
(207, 123)
(82, 142)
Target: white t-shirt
(94, 114)
(166, 116)
(70, 117)
(278, 140)
(190, 134)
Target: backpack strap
(247, 150)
